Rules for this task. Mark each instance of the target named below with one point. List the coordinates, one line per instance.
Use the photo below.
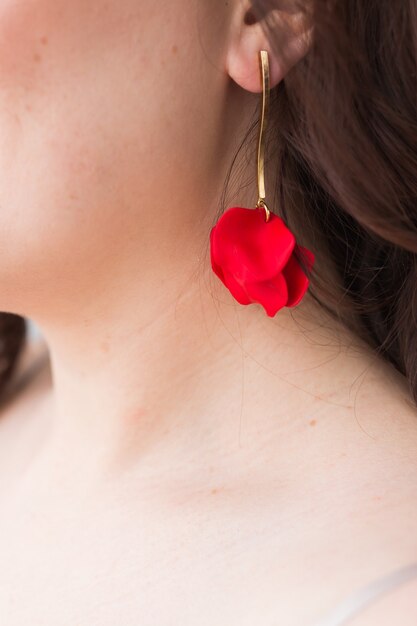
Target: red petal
(308, 256)
(297, 281)
(238, 291)
(271, 294)
(215, 266)
(248, 247)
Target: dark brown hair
(343, 138)
(13, 330)
(343, 143)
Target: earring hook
(264, 67)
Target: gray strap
(362, 598)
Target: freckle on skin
(44, 40)
(104, 346)
(174, 49)
(313, 422)
(214, 490)
(36, 57)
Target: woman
(188, 459)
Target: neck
(184, 371)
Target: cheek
(55, 164)
(25, 30)
(97, 123)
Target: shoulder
(396, 607)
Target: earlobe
(250, 35)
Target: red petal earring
(252, 251)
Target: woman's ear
(291, 32)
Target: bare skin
(186, 460)
(286, 482)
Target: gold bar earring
(252, 251)
(264, 67)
